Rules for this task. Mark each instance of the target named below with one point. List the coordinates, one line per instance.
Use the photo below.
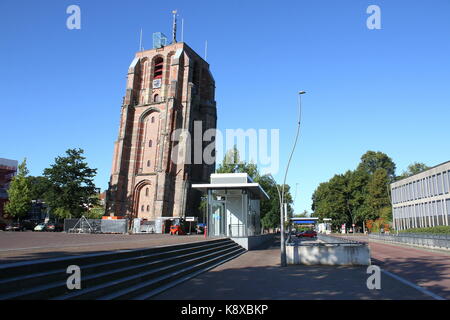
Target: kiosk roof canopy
(225, 181)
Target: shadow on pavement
(257, 275)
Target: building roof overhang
(255, 188)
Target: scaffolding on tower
(159, 40)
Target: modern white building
(233, 205)
(422, 200)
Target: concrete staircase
(126, 274)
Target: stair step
(161, 289)
(124, 274)
(174, 278)
(119, 284)
(59, 287)
(23, 282)
(18, 269)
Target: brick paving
(19, 246)
(257, 275)
(427, 268)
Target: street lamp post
(283, 241)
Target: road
(429, 269)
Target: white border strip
(423, 290)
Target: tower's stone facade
(168, 88)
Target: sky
(385, 89)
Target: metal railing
(424, 240)
(338, 240)
(95, 226)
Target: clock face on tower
(156, 83)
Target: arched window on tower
(159, 66)
(144, 74)
(146, 192)
(156, 98)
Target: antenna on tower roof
(140, 42)
(206, 50)
(182, 30)
(174, 34)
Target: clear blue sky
(384, 90)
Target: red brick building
(168, 88)
(8, 168)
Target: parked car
(307, 234)
(54, 227)
(2, 226)
(15, 226)
(40, 227)
(29, 224)
(21, 226)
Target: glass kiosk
(233, 205)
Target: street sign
(191, 219)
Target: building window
(433, 186)
(159, 65)
(142, 208)
(439, 184)
(153, 120)
(146, 192)
(148, 208)
(156, 98)
(148, 163)
(445, 177)
(150, 143)
(144, 72)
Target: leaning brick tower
(169, 88)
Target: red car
(307, 234)
(176, 229)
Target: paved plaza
(19, 246)
(257, 275)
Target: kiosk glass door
(217, 219)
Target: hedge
(437, 230)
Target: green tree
(71, 188)
(358, 209)
(38, 187)
(95, 213)
(414, 168)
(359, 195)
(371, 161)
(19, 194)
(233, 164)
(378, 196)
(269, 209)
(304, 214)
(330, 201)
(96, 210)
